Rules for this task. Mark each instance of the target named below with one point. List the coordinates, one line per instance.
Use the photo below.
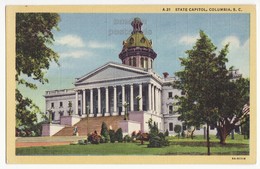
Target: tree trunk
(192, 133)
(222, 135)
(208, 143)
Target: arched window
(170, 126)
(142, 62)
(151, 63)
(146, 63)
(134, 61)
(131, 40)
(130, 61)
(142, 40)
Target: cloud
(76, 54)
(238, 55)
(99, 45)
(71, 41)
(233, 41)
(188, 40)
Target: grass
(181, 146)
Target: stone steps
(91, 124)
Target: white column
(91, 103)
(131, 97)
(76, 103)
(115, 102)
(141, 95)
(156, 100)
(123, 100)
(99, 103)
(152, 91)
(160, 101)
(149, 97)
(84, 102)
(107, 106)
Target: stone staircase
(91, 124)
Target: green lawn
(197, 146)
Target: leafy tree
(166, 134)
(33, 57)
(104, 132)
(206, 84)
(234, 108)
(177, 129)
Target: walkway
(46, 141)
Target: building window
(170, 95)
(142, 62)
(134, 61)
(151, 64)
(52, 105)
(61, 104)
(131, 40)
(146, 63)
(79, 102)
(182, 92)
(142, 40)
(170, 109)
(170, 126)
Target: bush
(94, 138)
(127, 138)
(156, 139)
(119, 135)
(166, 134)
(112, 136)
(177, 129)
(81, 142)
(104, 132)
(155, 142)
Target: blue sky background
(87, 41)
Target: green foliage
(166, 134)
(177, 129)
(112, 136)
(210, 96)
(104, 132)
(156, 139)
(70, 111)
(127, 138)
(33, 57)
(119, 135)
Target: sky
(88, 41)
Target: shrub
(127, 138)
(156, 139)
(112, 136)
(119, 135)
(166, 134)
(81, 142)
(94, 138)
(177, 129)
(104, 132)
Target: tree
(33, 57)
(177, 129)
(209, 92)
(119, 135)
(234, 108)
(104, 132)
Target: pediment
(111, 71)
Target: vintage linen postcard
(131, 84)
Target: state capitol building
(114, 89)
